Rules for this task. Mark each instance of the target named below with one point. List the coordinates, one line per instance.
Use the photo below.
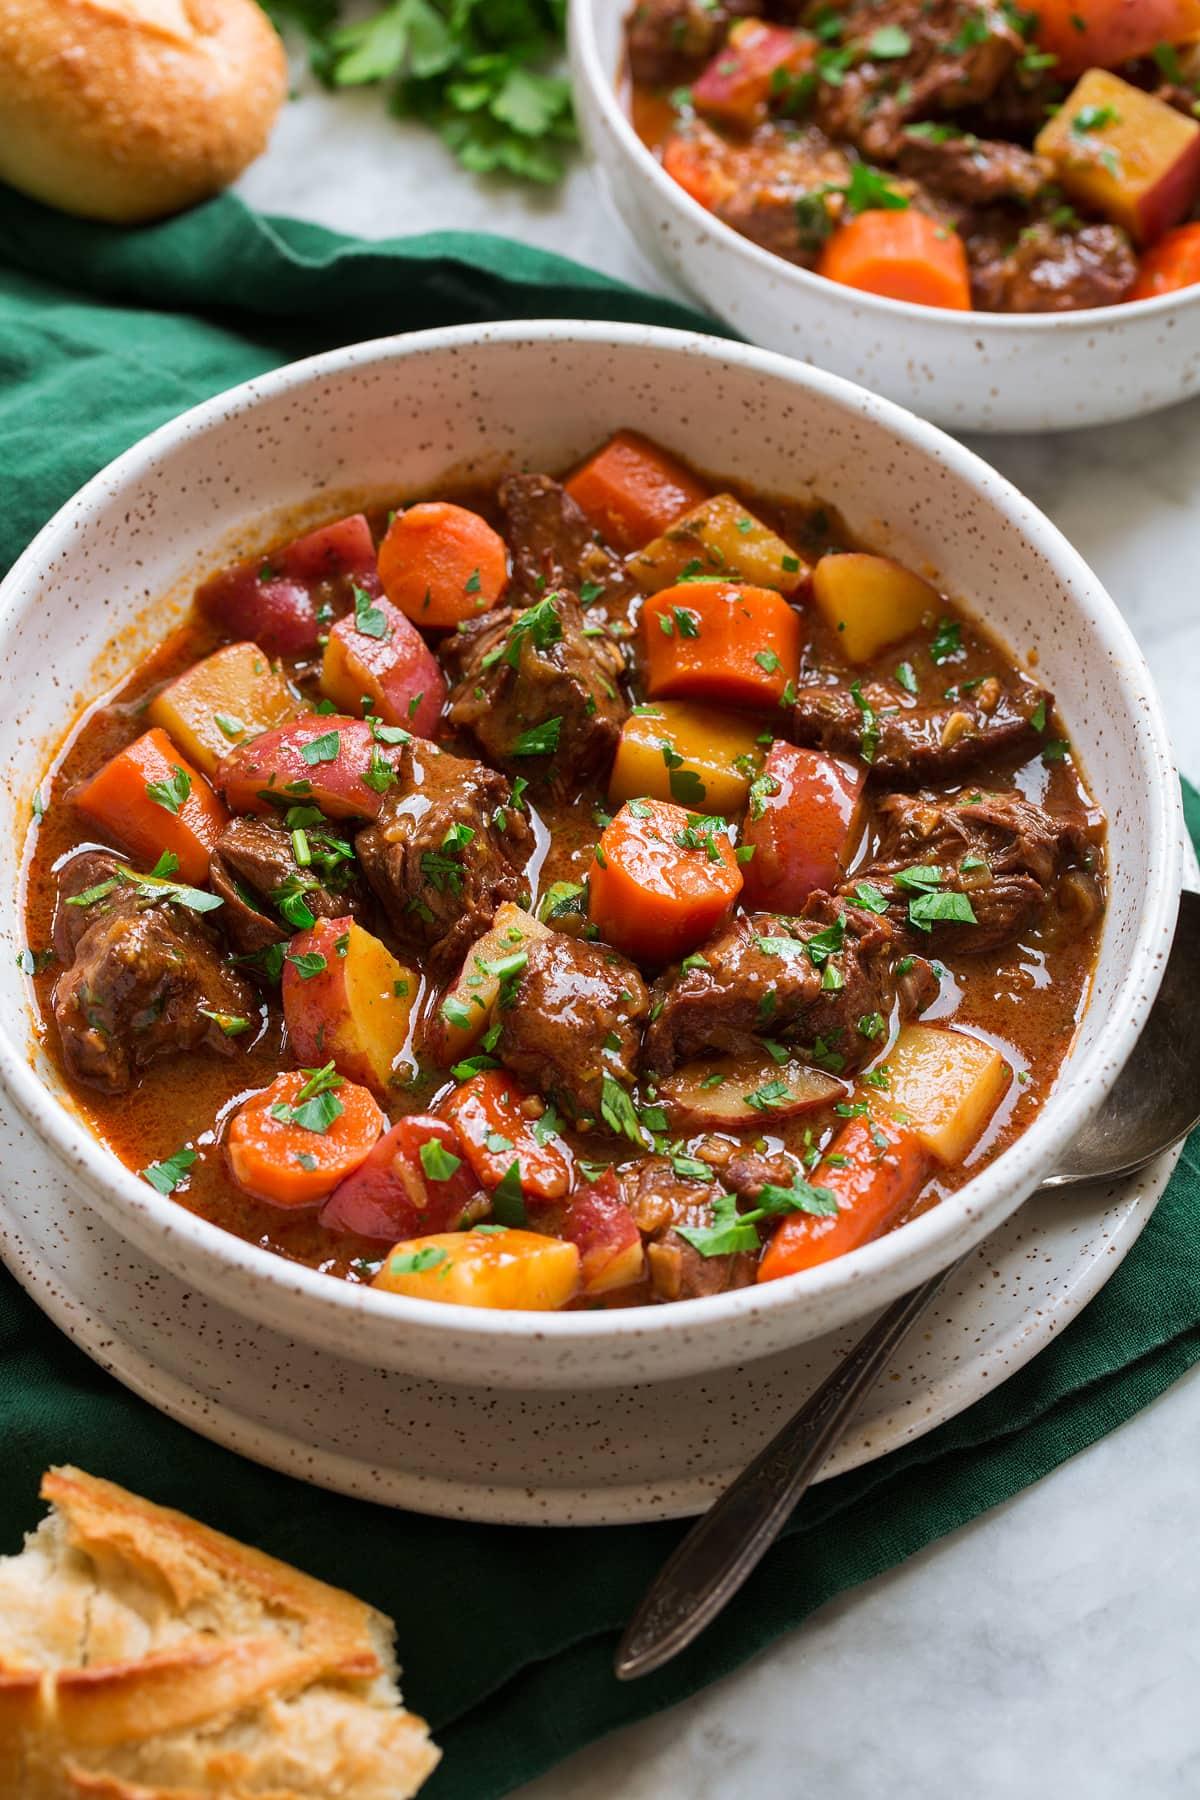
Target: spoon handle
(710, 1564)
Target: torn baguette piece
(144, 1656)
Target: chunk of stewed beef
(780, 189)
(1001, 851)
(669, 41)
(255, 869)
(539, 690)
(660, 1201)
(821, 983)
(974, 171)
(1044, 267)
(907, 746)
(553, 546)
(954, 54)
(447, 848)
(572, 1016)
(147, 978)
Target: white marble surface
(1050, 1648)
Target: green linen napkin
(506, 1634)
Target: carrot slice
(720, 640)
(902, 256)
(875, 1169)
(1173, 263)
(498, 1136)
(661, 880)
(1090, 34)
(152, 800)
(689, 160)
(292, 1143)
(441, 563)
(631, 490)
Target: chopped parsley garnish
(171, 793)
(889, 42)
(308, 963)
(931, 909)
(438, 1162)
(539, 740)
(228, 726)
(415, 1262)
(508, 1196)
(906, 676)
(617, 1111)
(369, 620)
(168, 1174)
(321, 749)
(947, 640)
(869, 739)
(868, 896)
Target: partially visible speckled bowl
(970, 371)
(400, 414)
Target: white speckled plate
(604, 1456)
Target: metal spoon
(1154, 1102)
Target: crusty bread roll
(128, 109)
(145, 1657)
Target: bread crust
(144, 1656)
(126, 110)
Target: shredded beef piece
(660, 1200)
(447, 848)
(553, 545)
(254, 861)
(670, 41)
(959, 53)
(145, 976)
(1042, 268)
(519, 670)
(573, 1016)
(1015, 854)
(975, 171)
(914, 745)
(760, 979)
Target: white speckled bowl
(968, 371)
(399, 414)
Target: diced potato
(346, 997)
(512, 1271)
(230, 697)
(466, 1010)
(602, 1228)
(870, 601)
(946, 1085)
(377, 654)
(1122, 153)
(722, 539)
(731, 1092)
(720, 751)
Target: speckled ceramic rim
(901, 1257)
(689, 214)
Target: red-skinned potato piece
(726, 1093)
(346, 998)
(495, 1132)
(1124, 154)
(375, 653)
(325, 759)
(415, 1181)
(804, 818)
(599, 1223)
(757, 63)
(277, 599)
(1086, 34)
